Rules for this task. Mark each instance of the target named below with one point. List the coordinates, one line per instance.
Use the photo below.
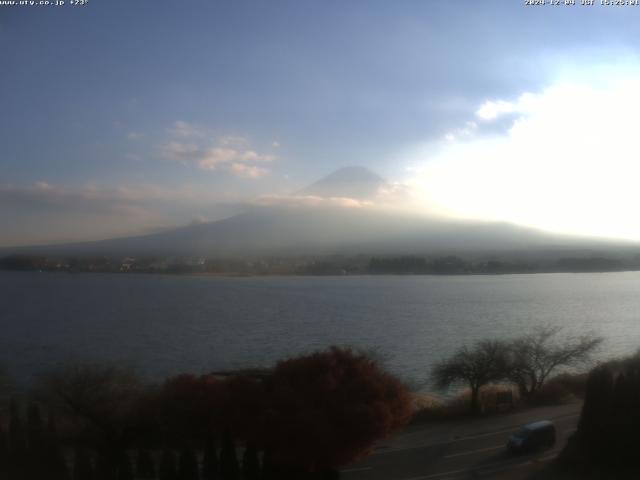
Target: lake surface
(166, 324)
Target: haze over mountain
(353, 225)
(210, 106)
(350, 182)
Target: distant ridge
(326, 230)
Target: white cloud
(311, 201)
(394, 197)
(248, 171)
(465, 132)
(568, 163)
(214, 157)
(491, 110)
(135, 135)
(230, 153)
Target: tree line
(34, 450)
(303, 419)
(323, 265)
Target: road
(463, 449)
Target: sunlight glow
(569, 162)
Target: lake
(164, 324)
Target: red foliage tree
(244, 408)
(328, 408)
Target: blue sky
(120, 117)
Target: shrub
(427, 408)
(552, 393)
(487, 400)
(574, 383)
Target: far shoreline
(311, 275)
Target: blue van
(532, 437)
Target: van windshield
(522, 433)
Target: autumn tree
(250, 463)
(210, 470)
(244, 407)
(167, 469)
(36, 442)
(7, 387)
(55, 461)
(187, 465)
(100, 399)
(18, 461)
(328, 408)
(145, 468)
(533, 357)
(125, 467)
(4, 452)
(477, 366)
(190, 407)
(229, 467)
(35, 432)
(82, 465)
(17, 436)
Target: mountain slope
(304, 231)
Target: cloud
(230, 153)
(313, 201)
(135, 135)
(184, 129)
(234, 158)
(568, 161)
(45, 213)
(490, 110)
(526, 103)
(469, 130)
(248, 171)
(391, 197)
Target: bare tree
(99, 399)
(485, 362)
(535, 356)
